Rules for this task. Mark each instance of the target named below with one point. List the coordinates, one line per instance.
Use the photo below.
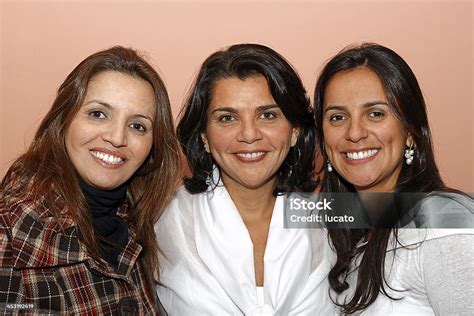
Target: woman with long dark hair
(374, 136)
(247, 131)
(77, 209)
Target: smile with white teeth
(361, 154)
(107, 158)
(250, 155)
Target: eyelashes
(100, 115)
(97, 114)
(231, 118)
(139, 127)
(374, 115)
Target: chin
(106, 184)
(255, 184)
(362, 183)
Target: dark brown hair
(243, 61)
(47, 175)
(407, 103)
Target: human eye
(268, 115)
(337, 117)
(139, 127)
(376, 114)
(226, 118)
(97, 114)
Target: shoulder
(408, 237)
(24, 214)
(446, 210)
(20, 207)
(179, 212)
(175, 231)
(449, 200)
(33, 236)
(14, 191)
(181, 202)
(447, 265)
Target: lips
(108, 158)
(359, 155)
(250, 155)
(253, 156)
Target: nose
(116, 134)
(249, 132)
(356, 130)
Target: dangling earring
(329, 166)
(298, 153)
(213, 178)
(328, 163)
(409, 153)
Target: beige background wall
(42, 41)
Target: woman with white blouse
(247, 131)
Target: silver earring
(409, 153)
(329, 166)
(298, 153)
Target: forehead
(121, 90)
(235, 92)
(354, 87)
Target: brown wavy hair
(42, 167)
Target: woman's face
(247, 134)
(363, 139)
(112, 133)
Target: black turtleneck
(111, 227)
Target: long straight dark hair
(47, 173)
(407, 103)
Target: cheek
(141, 146)
(280, 136)
(81, 132)
(331, 138)
(218, 139)
(73, 136)
(394, 135)
(72, 141)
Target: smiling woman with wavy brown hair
(77, 209)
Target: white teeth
(361, 154)
(110, 159)
(250, 155)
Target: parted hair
(49, 173)
(407, 103)
(243, 61)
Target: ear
(294, 135)
(206, 143)
(410, 142)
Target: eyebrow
(261, 108)
(109, 106)
(365, 105)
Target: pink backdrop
(42, 41)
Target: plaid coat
(46, 270)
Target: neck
(382, 208)
(102, 202)
(253, 203)
(111, 228)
